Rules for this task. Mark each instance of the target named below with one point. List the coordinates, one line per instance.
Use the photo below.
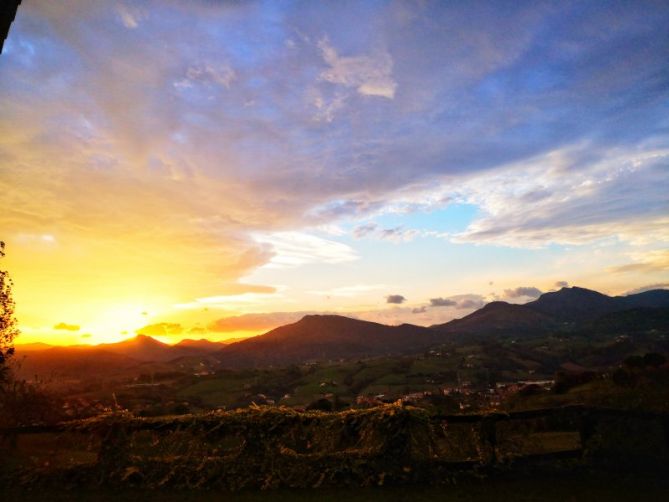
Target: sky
(191, 169)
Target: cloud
(472, 303)
(645, 262)
(161, 329)
(523, 291)
(515, 112)
(460, 302)
(648, 287)
(561, 284)
(369, 75)
(442, 302)
(576, 194)
(346, 208)
(207, 74)
(292, 249)
(397, 299)
(66, 327)
(398, 234)
(242, 299)
(130, 17)
(365, 230)
(393, 234)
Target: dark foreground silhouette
(279, 448)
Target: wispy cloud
(67, 327)
(292, 249)
(648, 287)
(645, 262)
(219, 150)
(395, 234)
(572, 196)
(523, 292)
(130, 16)
(207, 74)
(369, 75)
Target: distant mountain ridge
(330, 337)
(127, 356)
(201, 344)
(499, 317)
(579, 304)
(86, 361)
(574, 304)
(327, 337)
(569, 307)
(333, 337)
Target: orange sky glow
(269, 160)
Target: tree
(8, 328)
(21, 402)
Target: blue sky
(198, 161)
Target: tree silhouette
(8, 329)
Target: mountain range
(334, 337)
(331, 337)
(48, 362)
(327, 337)
(568, 308)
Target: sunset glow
(214, 169)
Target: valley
(501, 356)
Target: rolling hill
(202, 344)
(499, 317)
(125, 358)
(568, 308)
(334, 337)
(327, 337)
(145, 348)
(575, 304)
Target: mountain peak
(575, 290)
(498, 304)
(573, 304)
(327, 337)
(328, 321)
(201, 344)
(143, 340)
(320, 317)
(498, 317)
(141, 347)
